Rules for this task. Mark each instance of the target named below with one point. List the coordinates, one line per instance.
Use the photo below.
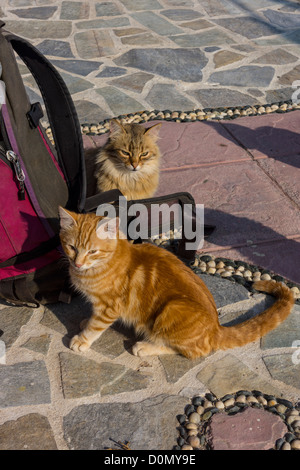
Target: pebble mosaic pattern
(195, 422)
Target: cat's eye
(72, 247)
(91, 252)
(144, 154)
(125, 153)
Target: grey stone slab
(197, 24)
(289, 77)
(147, 425)
(229, 374)
(76, 84)
(225, 292)
(66, 318)
(247, 75)
(24, 383)
(30, 432)
(107, 9)
(55, 48)
(176, 366)
(156, 23)
(144, 39)
(111, 72)
(285, 367)
(110, 343)
(277, 57)
(284, 21)
(38, 13)
(181, 14)
(38, 344)
(292, 37)
(206, 38)
(248, 26)
(137, 5)
(94, 44)
(82, 377)
(214, 98)
(281, 94)
(119, 102)
(40, 29)
(285, 334)
(178, 64)
(133, 82)
(74, 10)
(161, 95)
(11, 321)
(107, 23)
(79, 67)
(89, 112)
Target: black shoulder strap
(62, 116)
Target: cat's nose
(78, 265)
(134, 165)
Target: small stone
(192, 425)
(281, 408)
(211, 270)
(194, 418)
(296, 292)
(186, 447)
(220, 405)
(296, 424)
(241, 269)
(295, 445)
(247, 273)
(291, 419)
(265, 277)
(251, 399)
(211, 264)
(286, 446)
(293, 413)
(272, 403)
(241, 399)
(200, 410)
(220, 265)
(220, 271)
(206, 416)
(207, 404)
(194, 441)
(226, 274)
(229, 402)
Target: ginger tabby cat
(129, 161)
(151, 289)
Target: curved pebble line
(239, 272)
(205, 114)
(197, 415)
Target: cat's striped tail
(258, 326)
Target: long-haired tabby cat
(151, 289)
(129, 161)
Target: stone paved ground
(123, 56)
(119, 57)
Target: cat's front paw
(141, 349)
(77, 344)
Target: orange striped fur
(151, 289)
(129, 161)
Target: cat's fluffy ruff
(136, 172)
(151, 289)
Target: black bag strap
(62, 116)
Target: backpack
(36, 177)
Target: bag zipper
(13, 158)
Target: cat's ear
(108, 228)
(153, 130)
(66, 218)
(115, 127)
